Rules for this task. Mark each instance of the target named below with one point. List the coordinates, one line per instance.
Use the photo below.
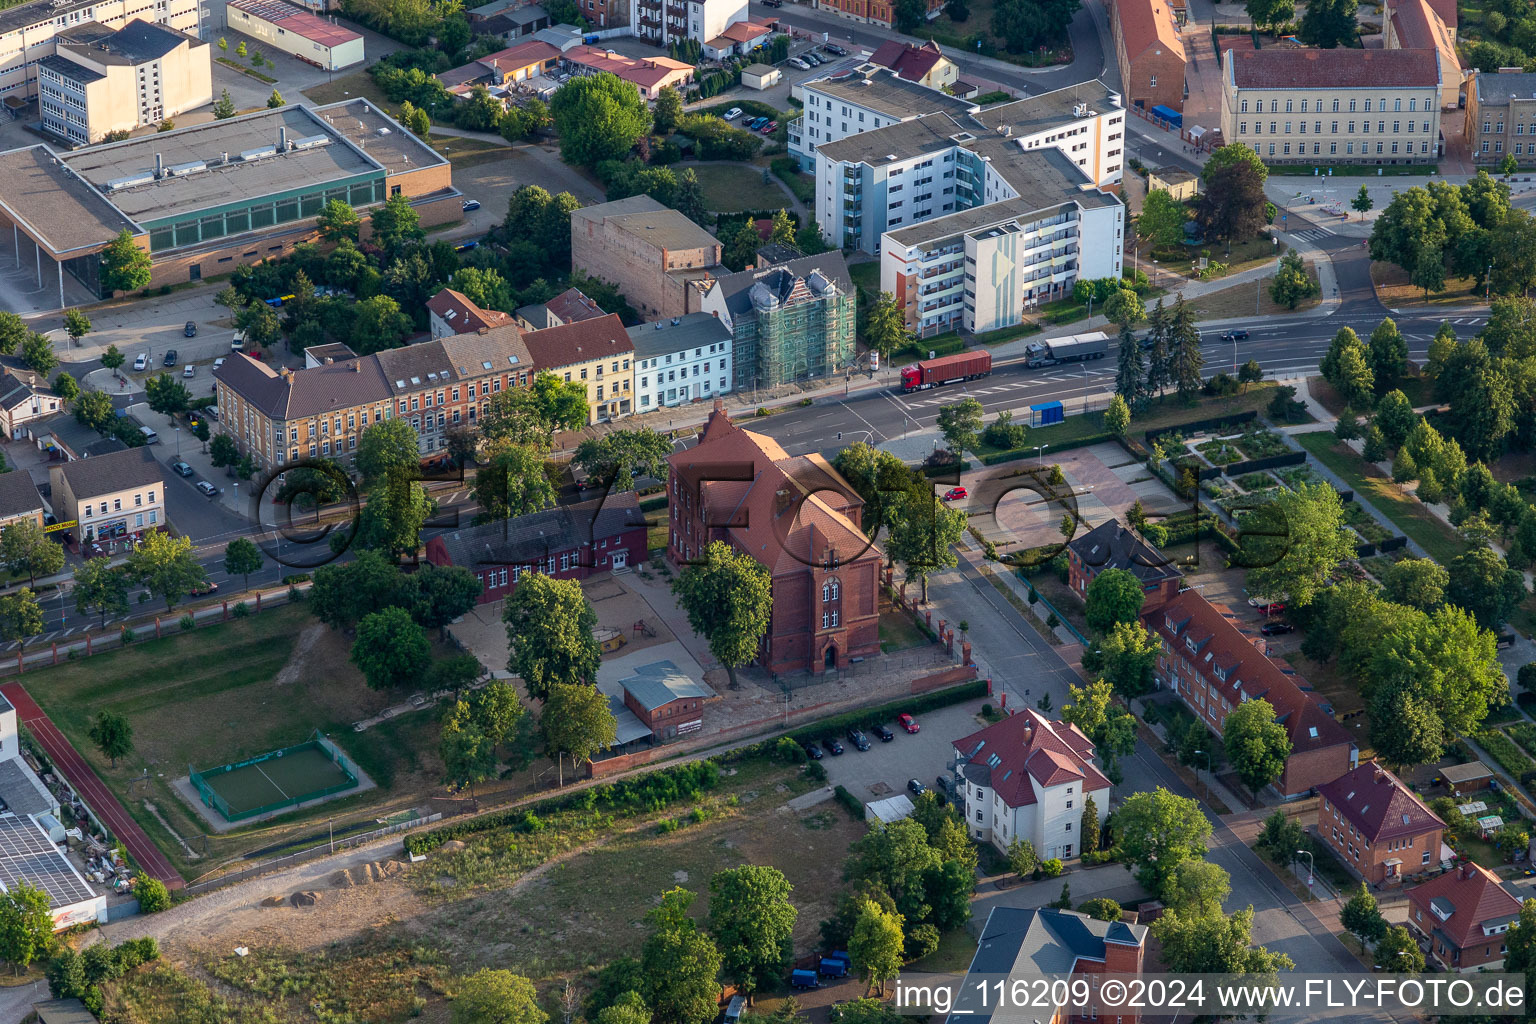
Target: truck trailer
(1077, 348)
(930, 373)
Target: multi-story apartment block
(683, 360)
(1378, 827)
(1210, 659)
(649, 251)
(104, 80)
(1501, 116)
(788, 321)
(983, 267)
(281, 416)
(849, 102)
(595, 352)
(1027, 777)
(113, 497)
(1464, 917)
(1150, 53)
(914, 170)
(1420, 25)
(668, 21)
(798, 518)
(872, 12)
(1342, 105)
(29, 32)
(450, 312)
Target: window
(1245, 105)
(1287, 106)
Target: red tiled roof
(1340, 68)
(746, 31)
(1476, 897)
(1029, 745)
(535, 51)
(908, 61)
(578, 342)
(1447, 11)
(462, 315)
(300, 22)
(1148, 24)
(572, 305)
(1377, 804)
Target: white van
(141, 361)
(189, 370)
(237, 344)
(150, 437)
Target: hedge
(1215, 423)
(852, 804)
(1019, 453)
(940, 345)
(1272, 462)
(871, 717)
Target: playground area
(271, 783)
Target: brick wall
(1308, 770)
(639, 269)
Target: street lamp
(178, 442)
(1039, 458)
(1311, 863)
(1209, 766)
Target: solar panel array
(27, 855)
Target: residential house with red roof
(740, 37)
(799, 519)
(1027, 777)
(1418, 25)
(925, 64)
(450, 312)
(648, 74)
(1214, 662)
(595, 353)
(1378, 827)
(1464, 917)
(1111, 546)
(1150, 53)
(502, 69)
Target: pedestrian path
(90, 787)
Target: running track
(96, 795)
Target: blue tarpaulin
(1046, 413)
(1168, 114)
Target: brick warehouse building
(1210, 660)
(800, 520)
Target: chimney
(159, 166)
(1467, 871)
(357, 366)
(282, 139)
(329, 360)
(1029, 732)
(719, 405)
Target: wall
(23, 47)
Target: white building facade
(851, 102)
(685, 359)
(667, 21)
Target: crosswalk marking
(1313, 234)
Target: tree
(1162, 218)
(112, 735)
(166, 566)
(435, 595)
(378, 324)
(25, 548)
(241, 558)
(1328, 23)
(1118, 416)
(1313, 541)
(614, 458)
(1269, 13)
(166, 395)
(1429, 269)
(1157, 831)
(1291, 284)
(387, 449)
(1111, 728)
(960, 423)
(337, 221)
(679, 964)
(1214, 944)
(1362, 917)
(741, 251)
(876, 945)
(1185, 359)
(1395, 416)
(1509, 165)
(1198, 887)
(1362, 202)
(100, 588)
(21, 617)
(224, 107)
(1113, 596)
(549, 630)
(1130, 375)
(752, 922)
(37, 354)
(689, 200)
(885, 327)
(393, 517)
(1397, 953)
(728, 596)
(1481, 582)
(1123, 307)
(1022, 858)
(1416, 582)
(66, 387)
(908, 15)
(395, 223)
(124, 266)
(222, 449)
(531, 415)
(26, 925)
(923, 533)
(1232, 206)
(112, 359)
(629, 1009)
(391, 649)
(497, 997)
(77, 325)
(276, 100)
(1129, 655)
(598, 117)
(1481, 400)
(468, 755)
(1255, 743)
(1091, 831)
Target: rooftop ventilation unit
(310, 142)
(131, 180)
(382, 131)
(182, 170)
(259, 153)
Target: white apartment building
(28, 31)
(870, 97)
(981, 268)
(1334, 106)
(1028, 777)
(666, 21)
(104, 80)
(872, 182)
(685, 359)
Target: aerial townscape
(762, 511)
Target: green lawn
(866, 277)
(1405, 511)
(899, 633)
(731, 188)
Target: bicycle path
(90, 787)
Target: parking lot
(883, 769)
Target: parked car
(908, 723)
(809, 56)
(170, 358)
(1277, 629)
(812, 751)
(797, 62)
(218, 363)
(733, 113)
(189, 330)
(804, 979)
(769, 128)
(189, 370)
(1266, 607)
(834, 48)
(469, 204)
(858, 739)
(237, 342)
(207, 488)
(885, 734)
(956, 493)
(916, 788)
(181, 468)
(834, 747)
(942, 783)
(204, 587)
(773, 3)
(1235, 336)
(141, 361)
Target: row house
(1378, 827)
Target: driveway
(883, 769)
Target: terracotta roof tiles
(1474, 899)
(1377, 804)
(1342, 68)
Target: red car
(955, 494)
(769, 128)
(908, 723)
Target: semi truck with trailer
(931, 373)
(1077, 348)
